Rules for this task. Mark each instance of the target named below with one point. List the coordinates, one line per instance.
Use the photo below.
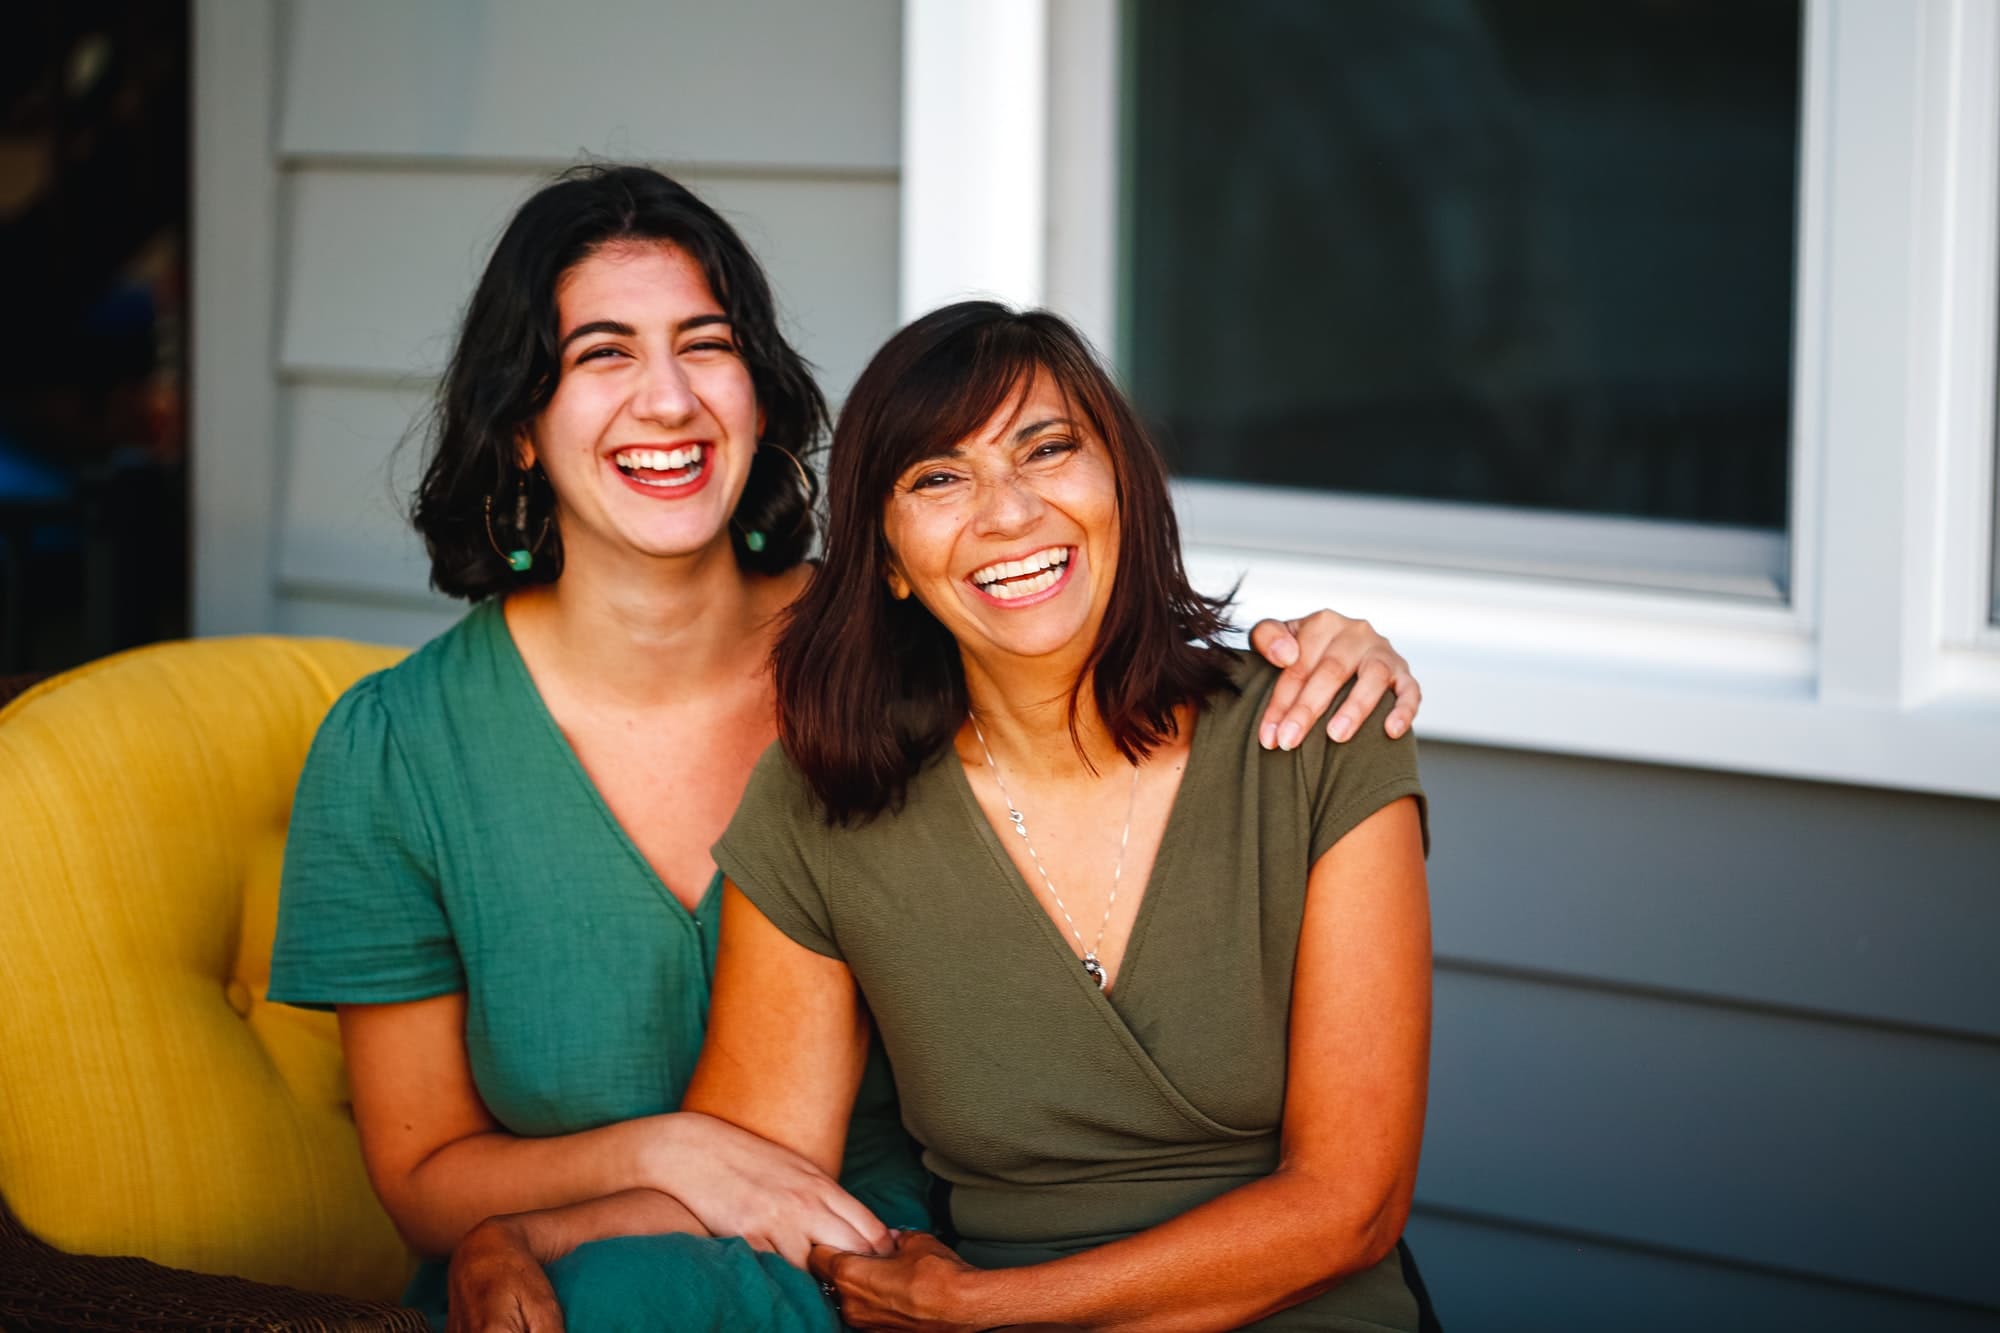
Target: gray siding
(408, 133)
(1711, 1051)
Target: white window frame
(1882, 668)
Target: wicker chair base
(43, 1288)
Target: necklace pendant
(1095, 968)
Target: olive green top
(1064, 1117)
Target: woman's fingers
(832, 1218)
(1409, 698)
(1274, 641)
(871, 1236)
(1302, 691)
(820, 1262)
(540, 1311)
(1319, 654)
(1371, 682)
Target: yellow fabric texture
(151, 1101)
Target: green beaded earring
(520, 559)
(755, 539)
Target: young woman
(498, 868)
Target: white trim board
(1627, 675)
(233, 394)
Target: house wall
(1711, 1051)
(403, 136)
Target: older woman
(1157, 998)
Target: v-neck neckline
(516, 665)
(1025, 895)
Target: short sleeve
(1362, 775)
(775, 851)
(360, 917)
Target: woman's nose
(1007, 504)
(664, 394)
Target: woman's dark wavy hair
(870, 688)
(505, 367)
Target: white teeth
(1041, 582)
(659, 460)
(682, 479)
(1049, 559)
(1045, 566)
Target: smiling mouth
(1008, 579)
(678, 466)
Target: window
(1526, 255)
(1772, 371)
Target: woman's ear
(899, 587)
(524, 451)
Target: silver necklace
(1020, 821)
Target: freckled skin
(1006, 495)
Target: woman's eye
(1053, 449)
(711, 345)
(929, 480)
(599, 354)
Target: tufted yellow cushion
(151, 1101)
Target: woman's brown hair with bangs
(870, 688)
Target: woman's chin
(1030, 642)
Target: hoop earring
(755, 539)
(522, 558)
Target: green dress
(1063, 1117)
(444, 838)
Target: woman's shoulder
(1239, 712)
(778, 789)
(1248, 682)
(440, 663)
(414, 692)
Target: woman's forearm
(551, 1233)
(457, 1186)
(1241, 1256)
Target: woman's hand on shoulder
(1318, 654)
(739, 1184)
(497, 1283)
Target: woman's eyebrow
(1035, 428)
(624, 330)
(597, 326)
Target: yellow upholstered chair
(152, 1103)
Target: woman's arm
(1319, 654)
(787, 1038)
(787, 1043)
(496, 1280)
(441, 1163)
(1353, 1124)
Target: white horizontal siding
(350, 469)
(343, 615)
(770, 83)
(408, 134)
(378, 264)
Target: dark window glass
(1523, 252)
